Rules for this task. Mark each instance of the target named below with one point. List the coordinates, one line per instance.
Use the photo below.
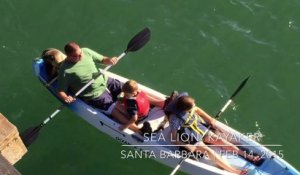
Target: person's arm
(109, 61)
(132, 110)
(130, 123)
(155, 101)
(65, 97)
(62, 86)
(211, 121)
(100, 58)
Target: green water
(204, 47)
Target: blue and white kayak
(159, 146)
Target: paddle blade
(139, 40)
(240, 87)
(30, 135)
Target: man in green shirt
(79, 67)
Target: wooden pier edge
(11, 147)
(6, 168)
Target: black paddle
(243, 83)
(136, 43)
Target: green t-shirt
(73, 76)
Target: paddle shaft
(178, 166)
(217, 116)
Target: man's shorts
(106, 101)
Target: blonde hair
(53, 58)
(130, 86)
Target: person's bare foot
(240, 172)
(243, 172)
(253, 158)
(256, 159)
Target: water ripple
(203, 34)
(18, 114)
(236, 27)
(214, 39)
(259, 41)
(212, 82)
(246, 32)
(277, 90)
(250, 5)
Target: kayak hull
(162, 150)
